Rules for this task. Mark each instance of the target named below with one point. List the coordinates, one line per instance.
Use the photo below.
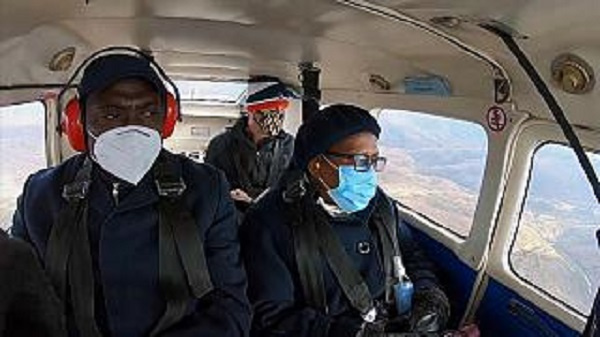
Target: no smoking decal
(496, 119)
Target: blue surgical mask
(355, 189)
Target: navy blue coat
(259, 166)
(124, 244)
(28, 305)
(274, 286)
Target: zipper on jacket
(115, 193)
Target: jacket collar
(337, 215)
(129, 196)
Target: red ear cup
(72, 127)
(170, 117)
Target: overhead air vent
(446, 21)
(379, 83)
(572, 74)
(62, 60)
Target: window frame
(531, 134)
(519, 219)
(475, 249)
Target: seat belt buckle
(170, 189)
(76, 190)
(370, 316)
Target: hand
(430, 311)
(240, 195)
(470, 330)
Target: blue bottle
(404, 289)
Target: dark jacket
(248, 167)
(28, 305)
(124, 245)
(275, 289)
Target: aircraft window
(435, 165)
(555, 247)
(22, 152)
(211, 92)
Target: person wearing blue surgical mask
(347, 178)
(325, 251)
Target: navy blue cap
(107, 70)
(328, 127)
(267, 88)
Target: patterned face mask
(270, 121)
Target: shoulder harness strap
(308, 259)
(182, 261)
(353, 285)
(385, 222)
(68, 257)
(314, 238)
(183, 272)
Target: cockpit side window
(555, 249)
(22, 152)
(435, 166)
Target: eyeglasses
(362, 162)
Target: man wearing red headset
(137, 241)
(255, 152)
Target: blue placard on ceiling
(427, 85)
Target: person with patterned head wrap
(255, 151)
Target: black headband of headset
(120, 50)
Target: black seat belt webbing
(68, 257)
(352, 283)
(81, 279)
(555, 109)
(181, 251)
(308, 259)
(61, 236)
(190, 248)
(553, 105)
(317, 235)
(59, 248)
(171, 274)
(182, 260)
(385, 225)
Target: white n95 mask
(128, 152)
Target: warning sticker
(496, 119)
